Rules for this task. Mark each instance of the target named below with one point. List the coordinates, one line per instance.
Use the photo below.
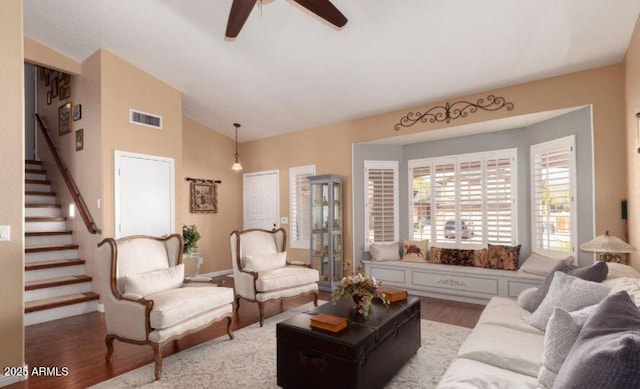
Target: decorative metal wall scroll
(451, 111)
(204, 195)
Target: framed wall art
(77, 112)
(204, 196)
(80, 139)
(64, 118)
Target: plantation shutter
(553, 196)
(444, 198)
(499, 200)
(469, 230)
(299, 205)
(420, 206)
(382, 201)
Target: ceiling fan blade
(240, 10)
(325, 10)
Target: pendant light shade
(236, 164)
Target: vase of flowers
(191, 236)
(362, 290)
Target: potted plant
(191, 236)
(362, 290)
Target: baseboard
(6, 380)
(218, 273)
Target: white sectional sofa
(504, 351)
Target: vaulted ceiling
(289, 70)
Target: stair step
(52, 264)
(39, 193)
(45, 219)
(39, 249)
(42, 210)
(37, 182)
(60, 301)
(58, 281)
(48, 238)
(35, 171)
(32, 162)
(42, 205)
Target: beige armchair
(144, 299)
(262, 273)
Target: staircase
(55, 283)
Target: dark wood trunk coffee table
(365, 355)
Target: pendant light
(236, 165)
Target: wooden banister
(68, 179)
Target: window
(381, 202)
(464, 201)
(553, 197)
(299, 203)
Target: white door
(144, 194)
(261, 199)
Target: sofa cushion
(434, 254)
(173, 306)
(504, 312)
(503, 257)
(596, 273)
(606, 353)
(567, 292)
(629, 285)
(504, 347)
(265, 261)
(385, 252)
(285, 277)
(542, 265)
(481, 258)
(619, 270)
(415, 250)
(457, 257)
(144, 284)
(561, 332)
(466, 373)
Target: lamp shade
(236, 166)
(607, 244)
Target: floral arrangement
(362, 290)
(191, 236)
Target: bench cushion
(285, 277)
(176, 305)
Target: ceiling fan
(240, 10)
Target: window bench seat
(460, 283)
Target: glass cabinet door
(326, 229)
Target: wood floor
(77, 343)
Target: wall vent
(145, 119)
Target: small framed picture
(47, 77)
(66, 92)
(77, 112)
(55, 89)
(80, 139)
(64, 118)
(48, 97)
(66, 78)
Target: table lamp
(609, 247)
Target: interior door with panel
(261, 200)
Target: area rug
(249, 361)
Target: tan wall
(329, 147)
(123, 87)
(12, 193)
(39, 54)
(632, 95)
(208, 155)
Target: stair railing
(68, 179)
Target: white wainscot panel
(456, 282)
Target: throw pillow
(618, 270)
(434, 254)
(567, 292)
(606, 353)
(629, 285)
(542, 265)
(448, 256)
(265, 262)
(559, 336)
(504, 257)
(144, 284)
(415, 250)
(595, 273)
(525, 295)
(385, 252)
(481, 258)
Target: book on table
(327, 322)
(393, 294)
